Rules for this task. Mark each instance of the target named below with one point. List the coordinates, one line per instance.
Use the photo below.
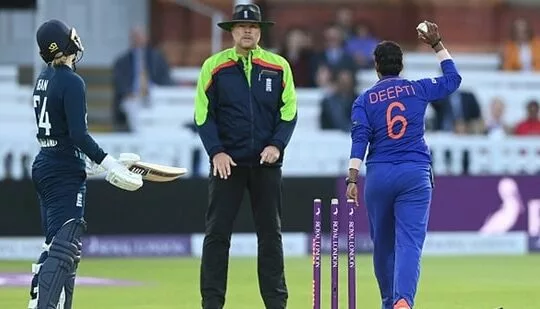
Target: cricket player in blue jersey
(398, 182)
(68, 154)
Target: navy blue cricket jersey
(390, 116)
(61, 118)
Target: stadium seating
(163, 136)
(17, 111)
(414, 61)
(9, 75)
(174, 106)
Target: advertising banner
(137, 246)
(245, 244)
(489, 205)
(473, 243)
(21, 248)
(447, 244)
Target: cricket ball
(422, 27)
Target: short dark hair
(389, 58)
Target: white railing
(20, 149)
(316, 154)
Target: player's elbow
(359, 132)
(453, 82)
(359, 138)
(78, 138)
(291, 121)
(458, 79)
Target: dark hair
(389, 58)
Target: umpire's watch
(348, 181)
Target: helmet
(56, 39)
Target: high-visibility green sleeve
(288, 111)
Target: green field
(446, 283)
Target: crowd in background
(347, 47)
(329, 61)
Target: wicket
(334, 253)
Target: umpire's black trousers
(225, 197)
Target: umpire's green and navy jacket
(244, 104)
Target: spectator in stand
(361, 46)
(334, 54)
(522, 51)
(531, 125)
(298, 51)
(495, 124)
(459, 113)
(135, 72)
(323, 79)
(336, 106)
(345, 21)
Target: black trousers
(225, 197)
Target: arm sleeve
(432, 89)
(288, 111)
(361, 130)
(75, 109)
(205, 112)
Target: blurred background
(485, 138)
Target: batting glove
(118, 175)
(128, 159)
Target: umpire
(245, 112)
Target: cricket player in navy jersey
(68, 154)
(398, 181)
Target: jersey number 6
(392, 121)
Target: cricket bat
(157, 172)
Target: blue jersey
(390, 116)
(60, 108)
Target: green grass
(446, 283)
